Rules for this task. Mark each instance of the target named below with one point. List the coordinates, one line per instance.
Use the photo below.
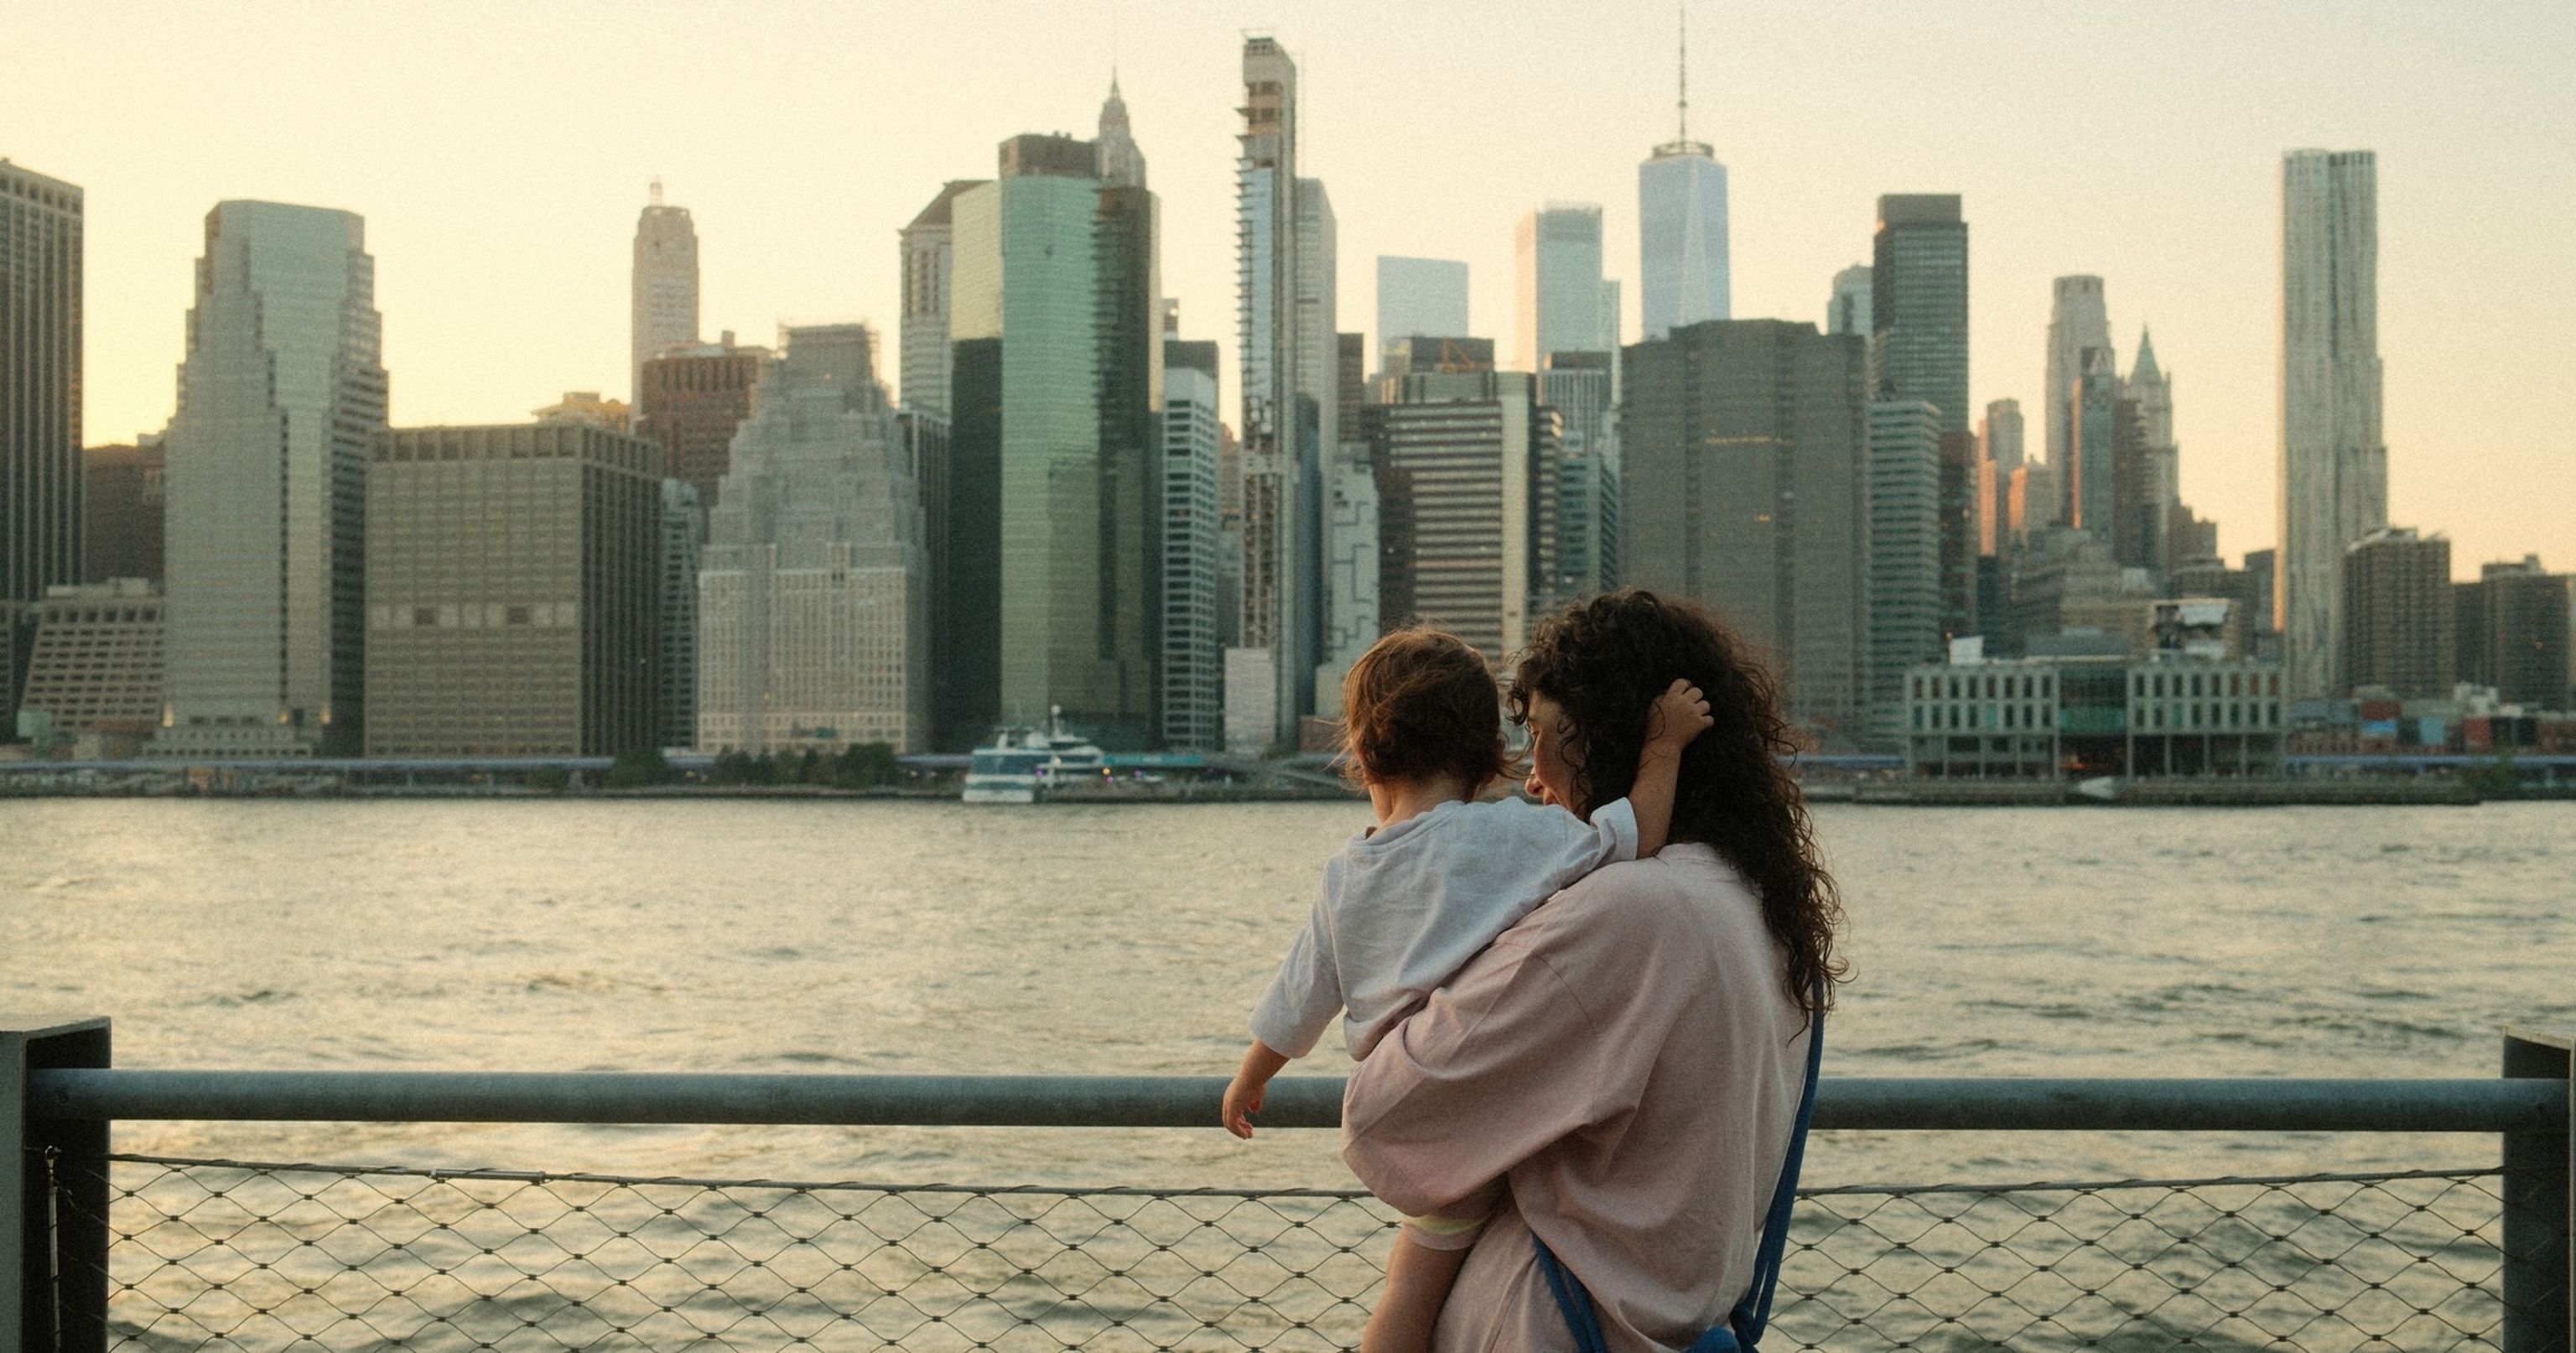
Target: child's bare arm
(1679, 715)
(1418, 1279)
(1243, 1097)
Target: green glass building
(1055, 393)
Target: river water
(887, 936)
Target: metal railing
(101, 1250)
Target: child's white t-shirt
(1403, 908)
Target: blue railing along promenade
(102, 1250)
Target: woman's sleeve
(1501, 1062)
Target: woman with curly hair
(1626, 1066)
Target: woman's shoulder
(1686, 879)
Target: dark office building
(40, 411)
(1919, 304)
(1350, 373)
(1960, 614)
(1744, 457)
(122, 512)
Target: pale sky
(500, 152)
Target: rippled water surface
(729, 935)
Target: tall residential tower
(1281, 462)
(2334, 467)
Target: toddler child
(1407, 902)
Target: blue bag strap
(1752, 1314)
(1745, 1324)
(1572, 1300)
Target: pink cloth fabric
(1628, 1059)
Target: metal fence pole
(53, 1196)
(2538, 1276)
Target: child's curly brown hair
(1422, 704)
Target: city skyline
(492, 310)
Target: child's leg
(1418, 1279)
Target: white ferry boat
(1023, 763)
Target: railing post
(53, 1196)
(2538, 1277)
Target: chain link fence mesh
(208, 1253)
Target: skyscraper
(1191, 670)
(2000, 453)
(1419, 296)
(683, 548)
(665, 284)
(813, 599)
(2077, 319)
(1117, 160)
(1961, 612)
(1319, 340)
(2158, 488)
(1127, 328)
(513, 602)
(266, 486)
(1578, 386)
(1057, 388)
(690, 403)
(2513, 632)
(1353, 549)
(1467, 478)
(927, 258)
(41, 228)
(1904, 552)
(122, 511)
(1847, 311)
(1743, 457)
(1681, 228)
(1560, 305)
(2334, 465)
(1282, 472)
(1613, 320)
(1919, 304)
(1350, 375)
(2399, 628)
(2092, 453)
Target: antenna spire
(657, 190)
(1682, 11)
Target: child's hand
(1680, 714)
(1242, 1100)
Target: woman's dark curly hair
(1603, 662)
